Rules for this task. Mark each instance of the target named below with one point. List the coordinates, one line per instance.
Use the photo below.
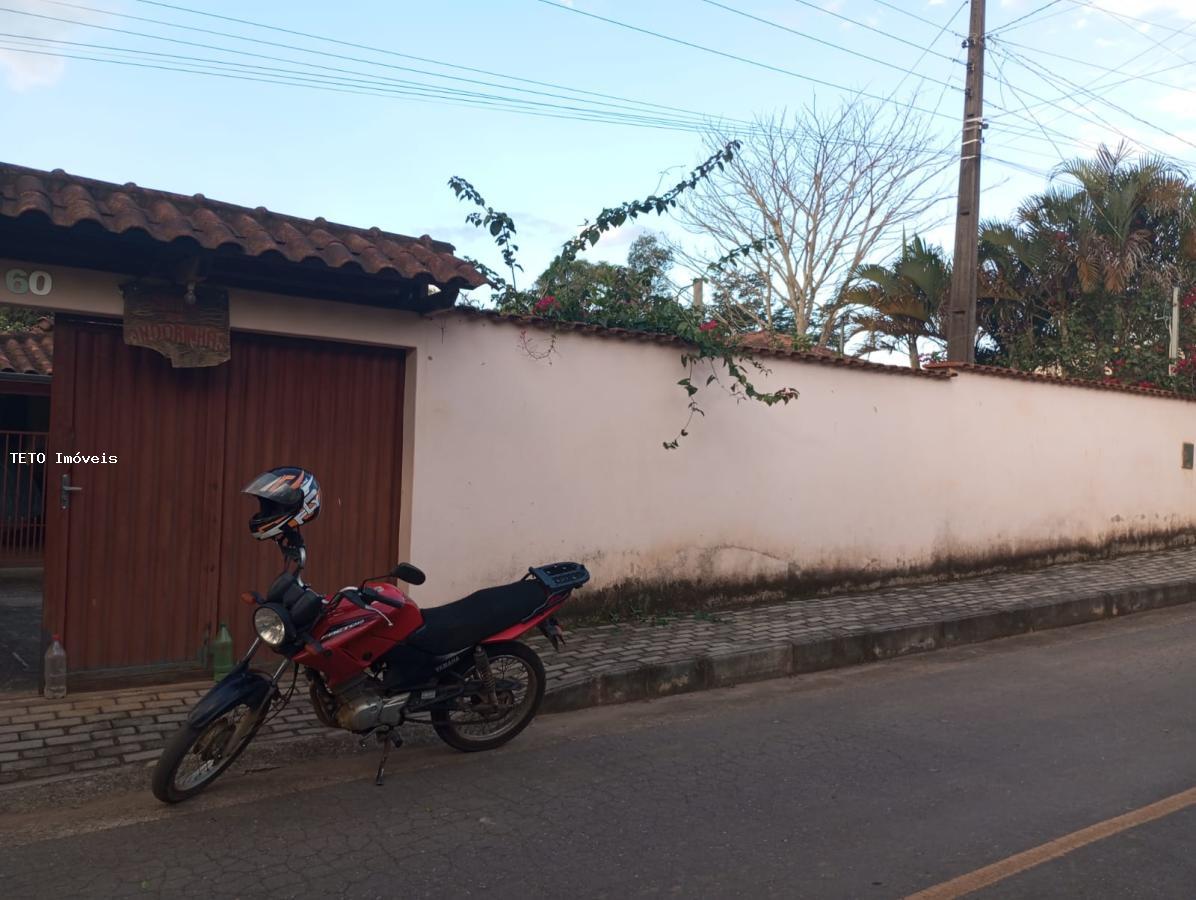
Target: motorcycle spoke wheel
(211, 751)
(472, 723)
(196, 758)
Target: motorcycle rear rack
(560, 576)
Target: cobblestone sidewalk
(89, 732)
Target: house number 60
(37, 282)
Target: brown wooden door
(155, 550)
(336, 410)
(131, 566)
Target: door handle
(67, 489)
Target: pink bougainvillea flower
(545, 302)
(708, 326)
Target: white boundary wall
(514, 457)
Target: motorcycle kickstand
(387, 740)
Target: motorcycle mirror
(408, 573)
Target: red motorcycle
(373, 660)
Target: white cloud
(26, 71)
(36, 66)
(1141, 9)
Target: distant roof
(28, 352)
(776, 340)
(69, 201)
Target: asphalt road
(875, 782)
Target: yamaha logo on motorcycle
(373, 660)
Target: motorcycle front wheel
(470, 724)
(198, 755)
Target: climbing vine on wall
(710, 343)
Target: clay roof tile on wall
(1063, 380)
(29, 352)
(627, 334)
(68, 201)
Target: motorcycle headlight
(269, 626)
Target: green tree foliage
(636, 295)
(899, 306)
(1079, 281)
(20, 318)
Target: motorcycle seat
(460, 625)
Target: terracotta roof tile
(66, 201)
(774, 340)
(28, 352)
(1065, 381)
(627, 334)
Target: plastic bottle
(54, 670)
(222, 653)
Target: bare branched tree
(828, 188)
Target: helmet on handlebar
(288, 497)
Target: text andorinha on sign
(188, 327)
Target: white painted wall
(513, 460)
(520, 460)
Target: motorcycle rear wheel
(519, 675)
(207, 744)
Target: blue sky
(384, 160)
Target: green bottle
(222, 653)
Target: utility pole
(1173, 350)
(961, 315)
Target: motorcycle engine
(358, 706)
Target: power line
(1021, 167)
(1122, 20)
(368, 86)
(1051, 78)
(1003, 82)
(906, 12)
(511, 105)
(1105, 87)
(732, 56)
(320, 53)
(1097, 66)
(1098, 120)
(825, 43)
(1105, 90)
(298, 48)
(672, 111)
(1031, 14)
(411, 88)
(872, 28)
(926, 52)
(1087, 4)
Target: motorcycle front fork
(248, 722)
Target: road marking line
(1036, 856)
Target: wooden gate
(151, 554)
(337, 411)
(22, 497)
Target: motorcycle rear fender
(239, 686)
(513, 633)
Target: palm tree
(901, 304)
(1027, 276)
(1118, 204)
(1076, 272)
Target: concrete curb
(773, 660)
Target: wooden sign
(190, 328)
